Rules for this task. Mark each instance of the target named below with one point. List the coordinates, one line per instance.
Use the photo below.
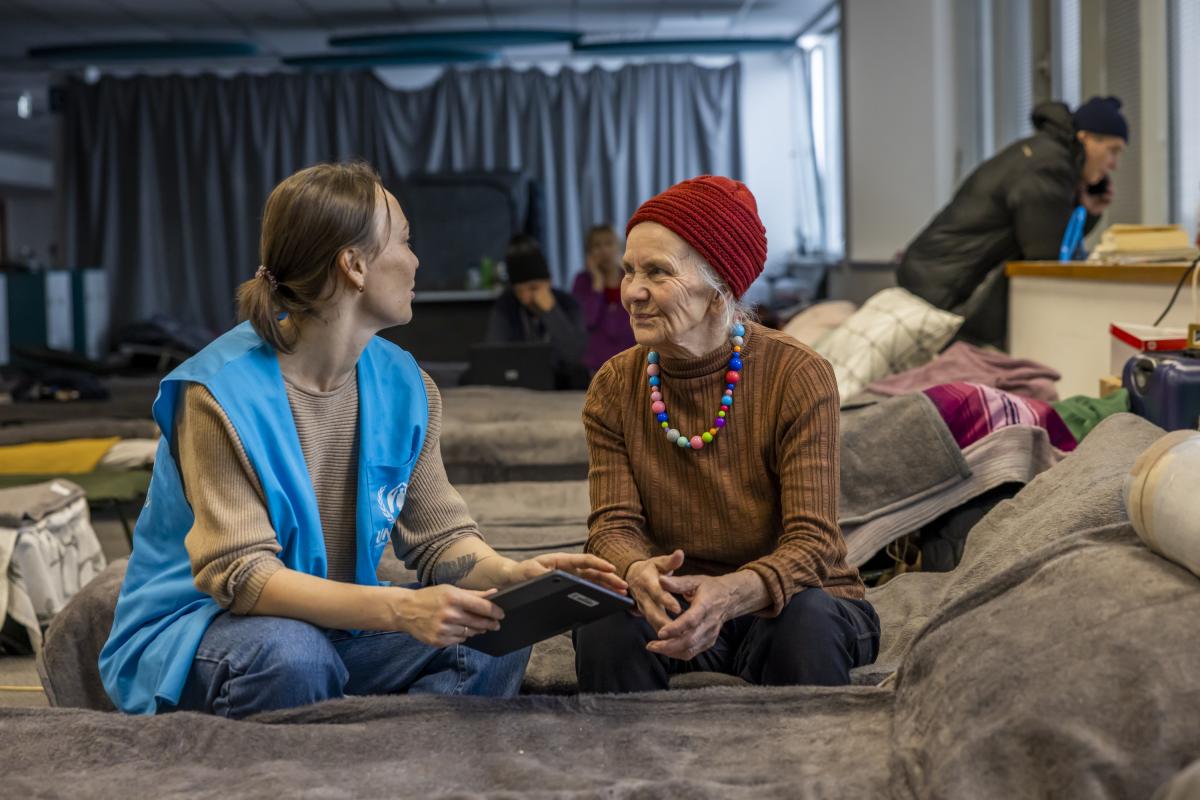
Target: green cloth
(101, 484)
(1082, 413)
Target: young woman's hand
(588, 567)
(440, 616)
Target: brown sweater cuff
(619, 549)
(780, 592)
(247, 584)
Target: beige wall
(1154, 125)
(1124, 52)
(899, 121)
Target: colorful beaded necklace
(736, 338)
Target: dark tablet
(546, 606)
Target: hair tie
(263, 272)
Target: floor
(19, 683)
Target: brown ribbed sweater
(763, 496)
(232, 545)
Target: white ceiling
(302, 27)
(294, 27)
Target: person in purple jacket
(598, 290)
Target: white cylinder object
(1162, 497)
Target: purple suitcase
(1165, 388)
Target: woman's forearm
(332, 604)
(471, 564)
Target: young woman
(294, 448)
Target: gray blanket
(780, 743)
(1069, 674)
(1184, 786)
(493, 434)
(895, 453)
(1011, 692)
(67, 663)
(1082, 492)
(1058, 660)
(21, 505)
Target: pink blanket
(972, 411)
(966, 363)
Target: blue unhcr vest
(161, 616)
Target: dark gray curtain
(164, 178)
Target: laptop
(528, 365)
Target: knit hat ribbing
(718, 217)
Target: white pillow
(818, 320)
(894, 331)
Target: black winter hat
(524, 260)
(1102, 115)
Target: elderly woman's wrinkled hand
(695, 630)
(588, 567)
(654, 602)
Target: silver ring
(466, 632)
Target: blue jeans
(245, 665)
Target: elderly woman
(294, 448)
(721, 515)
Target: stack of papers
(1143, 244)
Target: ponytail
(256, 303)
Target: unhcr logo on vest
(390, 502)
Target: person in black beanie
(1015, 206)
(532, 310)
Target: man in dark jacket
(1015, 206)
(531, 310)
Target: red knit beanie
(718, 217)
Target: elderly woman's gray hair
(733, 309)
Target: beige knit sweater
(232, 545)
(763, 496)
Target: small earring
(362, 287)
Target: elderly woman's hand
(588, 567)
(710, 601)
(645, 586)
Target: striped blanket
(972, 411)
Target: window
(822, 75)
(1065, 46)
(1184, 33)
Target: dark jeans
(816, 640)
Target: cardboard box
(1108, 385)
